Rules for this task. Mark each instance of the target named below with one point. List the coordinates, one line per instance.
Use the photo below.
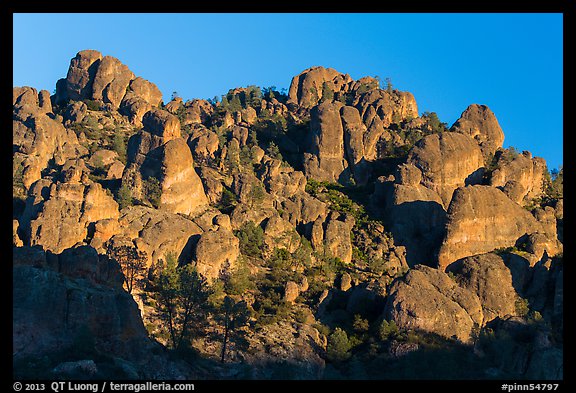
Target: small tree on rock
(132, 262)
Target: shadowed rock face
(52, 309)
(448, 310)
(479, 122)
(491, 280)
(481, 219)
(414, 214)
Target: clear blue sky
(510, 62)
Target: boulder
(491, 280)
(146, 90)
(157, 233)
(174, 105)
(332, 237)
(280, 179)
(197, 111)
(216, 253)
(279, 233)
(203, 143)
(449, 310)
(479, 122)
(291, 291)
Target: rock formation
(479, 122)
(449, 310)
(481, 219)
(447, 161)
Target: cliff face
(318, 219)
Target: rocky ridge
(331, 211)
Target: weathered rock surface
(203, 143)
(57, 216)
(110, 81)
(325, 160)
(51, 310)
(521, 179)
(280, 179)
(80, 78)
(306, 89)
(37, 138)
(479, 122)
(291, 291)
(281, 344)
(491, 280)
(157, 232)
(332, 236)
(216, 252)
(158, 151)
(447, 161)
(279, 233)
(481, 219)
(449, 310)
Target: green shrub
(152, 190)
(360, 325)
(251, 238)
(338, 348)
(124, 196)
(521, 306)
(92, 105)
(387, 330)
(228, 201)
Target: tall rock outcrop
(307, 88)
(105, 79)
(325, 160)
(479, 122)
(158, 152)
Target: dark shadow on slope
(420, 227)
